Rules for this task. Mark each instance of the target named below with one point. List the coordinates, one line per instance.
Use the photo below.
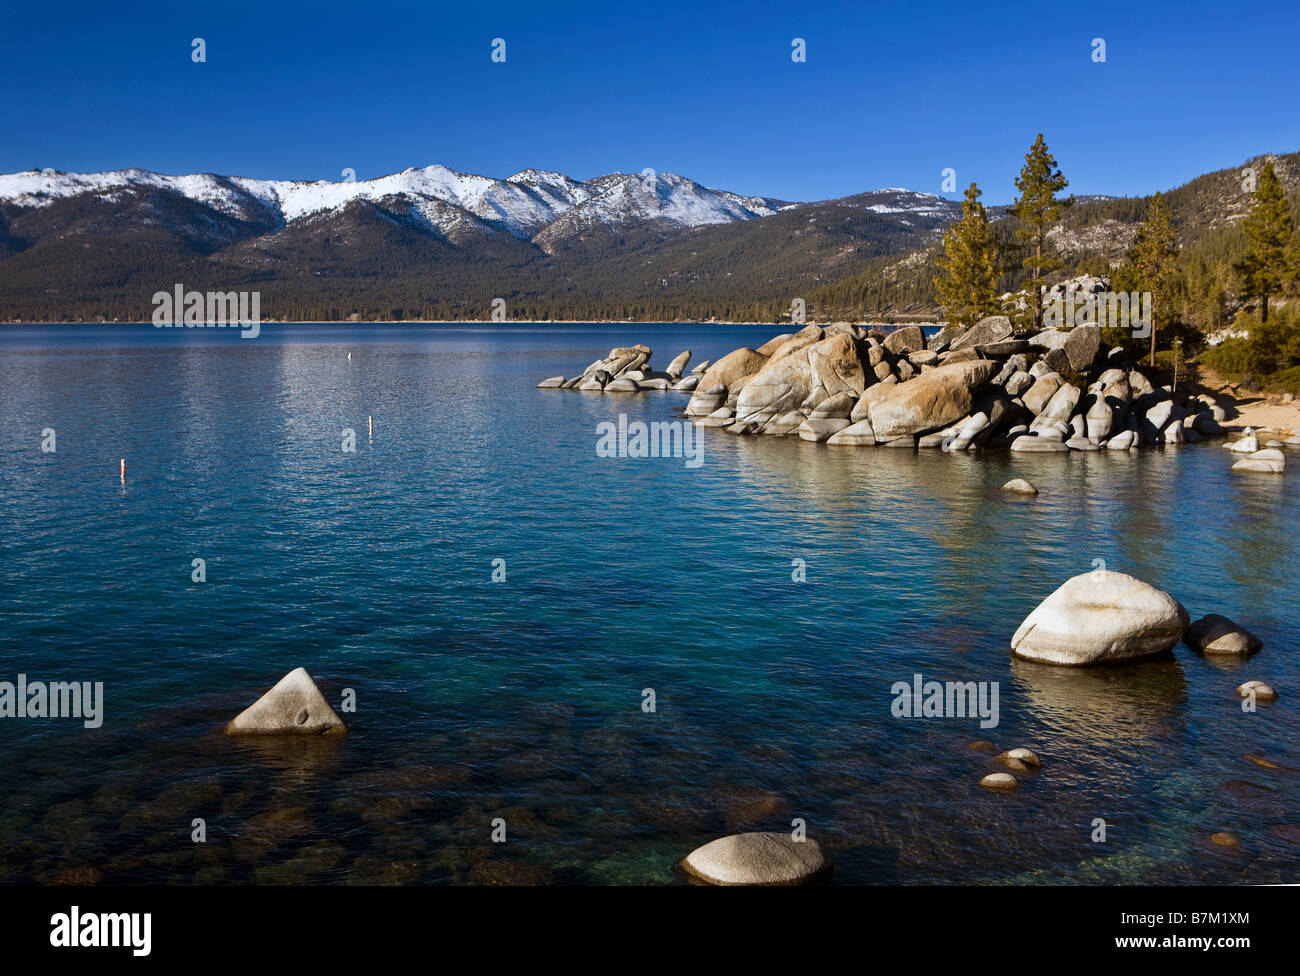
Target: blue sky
(891, 93)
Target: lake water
(522, 699)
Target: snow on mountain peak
(525, 205)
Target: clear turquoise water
(522, 699)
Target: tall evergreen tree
(1154, 257)
(1039, 209)
(1269, 260)
(968, 278)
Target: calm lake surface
(522, 699)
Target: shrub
(1269, 354)
(1287, 380)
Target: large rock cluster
(627, 370)
(957, 390)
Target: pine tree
(1269, 260)
(1039, 209)
(967, 283)
(1154, 257)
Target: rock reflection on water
(1131, 708)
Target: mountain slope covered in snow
(522, 205)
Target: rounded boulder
(758, 859)
(1101, 618)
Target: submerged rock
(1257, 689)
(1101, 617)
(1216, 634)
(1268, 461)
(1020, 486)
(758, 859)
(1004, 782)
(1020, 760)
(1247, 445)
(294, 706)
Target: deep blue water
(522, 699)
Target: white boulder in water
(1000, 781)
(1268, 461)
(1101, 617)
(758, 859)
(678, 366)
(1247, 445)
(294, 706)
(1020, 487)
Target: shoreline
(956, 389)
(1261, 411)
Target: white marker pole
(123, 470)
(371, 422)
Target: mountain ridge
(523, 204)
(435, 243)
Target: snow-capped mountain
(909, 203)
(654, 198)
(433, 242)
(523, 205)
